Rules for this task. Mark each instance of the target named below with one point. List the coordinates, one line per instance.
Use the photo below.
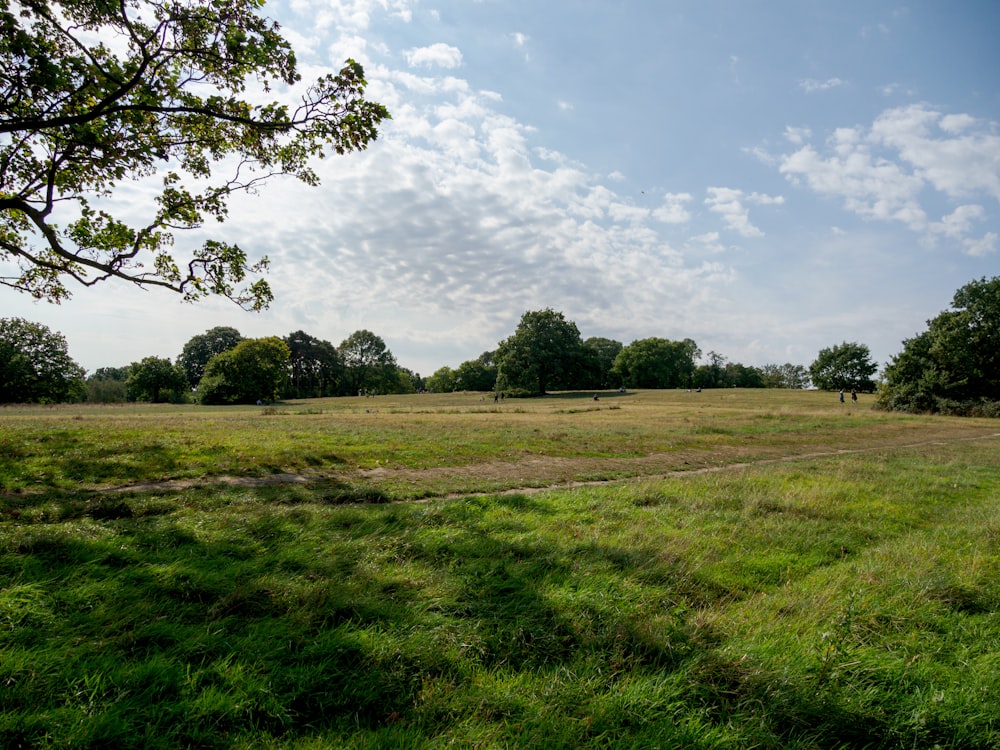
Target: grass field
(727, 569)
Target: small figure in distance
(854, 396)
(841, 395)
(596, 398)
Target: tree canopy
(953, 366)
(846, 366)
(544, 352)
(657, 363)
(368, 363)
(157, 379)
(94, 95)
(201, 348)
(253, 370)
(315, 367)
(35, 365)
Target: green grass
(840, 600)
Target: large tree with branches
(97, 93)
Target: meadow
(727, 569)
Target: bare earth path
(537, 473)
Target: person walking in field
(841, 395)
(854, 396)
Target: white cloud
(959, 221)
(439, 55)
(869, 185)
(943, 150)
(728, 203)
(883, 173)
(798, 136)
(811, 85)
(673, 210)
(979, 247)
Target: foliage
(846, 366)
(201, 348)
(442, 380)
(106, 385)
(315, 367)
(545, 352)
(253, 370)
(953, 366)
(35, 365)
(603, 352)
(368, 364)
(656, 363)
(784, 376)
(407, 381)
(478, 374)
(156, 379)
(97, 95)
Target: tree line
(953, 367)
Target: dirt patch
(538, 473)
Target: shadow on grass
(276, 616)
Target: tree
(478, 374)
(368, 363)
(157, 379)
(442, 380)
(784, 376)
(846, 366)
(314, 365)
(201, 348)
(97, 94)
(254, 370)
(106, 385)
(35, 365)
(953, 366)
(712, 373)
(544, 352)
(736, 375)
(406, 381)
(656, 363)
(602, 357)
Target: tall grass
(837, 601)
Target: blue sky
(766, 178)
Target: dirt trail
(538, 473)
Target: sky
(766, 177)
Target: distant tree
(109, 373)
(97, 94)
(442, 380)
(736, 375)
(201, 348)
(106, 385)
(602, 353)
(785, 376)
(846, 366)
(315, 369)
(478, 374)
(406, 381)
(35, 365)
(255, 369)
(711, 374)
(953, 366)
(544, 352)
(368, 363)
(656, 363)
(157, 379)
